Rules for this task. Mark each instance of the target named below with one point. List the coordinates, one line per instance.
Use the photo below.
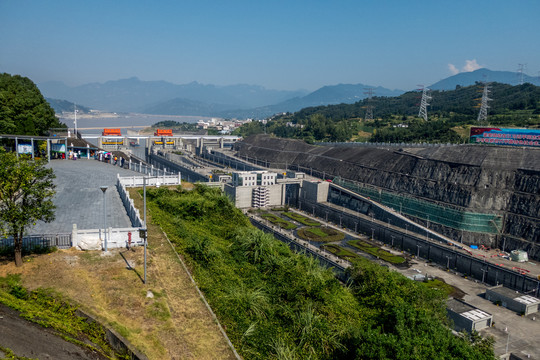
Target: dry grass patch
(174, 324)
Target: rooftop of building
(515, 295)
(466, 310)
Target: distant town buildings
(223, 126)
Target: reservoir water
(94, 124)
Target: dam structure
(474, 194)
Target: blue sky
(284, 45)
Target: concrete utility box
(467, 317)
(315, 191)
(513, 300)
(519, 256)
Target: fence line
(383, 144)
(31, 242)
(150, 169)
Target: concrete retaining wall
(115, 340)
(419, 245)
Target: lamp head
(104, 188)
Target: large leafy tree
(23, 110)
(26, 191)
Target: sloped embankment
(486, 179)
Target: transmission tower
(521, 73)
(482, 115)
(369, 106)
(424, 102)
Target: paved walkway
(79, 199)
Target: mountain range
(236, 101)
(483, 75)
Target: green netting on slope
(457, 219)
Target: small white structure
(467, 317)
(513, 300)
(519, 255)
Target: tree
(26, 191)
(23, 110)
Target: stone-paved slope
(501, 180)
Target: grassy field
(376, 251)
(320, 234)
(282, 223)
(447, 289)
(340, 251)
(301, 219)
(173, 324)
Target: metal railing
(37, 242)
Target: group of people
(74, 155)
(110, 158)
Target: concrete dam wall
(501, 181)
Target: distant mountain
(134, 95)
(327, 95)
(470, 78)
(458, 105)
(186, 107)
(61, 106)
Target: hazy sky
(277, 44)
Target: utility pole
(482, 115)
(104, 189)
(424, 102)
(521, 73)
(369, 106)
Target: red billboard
(501, 136)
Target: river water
(94, 124)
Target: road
(32, 341)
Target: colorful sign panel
(500, 136)
(24, 148)
(60, 148)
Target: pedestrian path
(79, 199)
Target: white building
(254, 178)
(255, 189)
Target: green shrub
(301, 219)
(323, 234)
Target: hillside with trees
(23, 110)
(61, 106)
(451, 113)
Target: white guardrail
(94, 239)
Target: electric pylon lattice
(521, 73)
(424, 102)
(369, 106)
(482, 115)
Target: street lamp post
(145, 227)
(392, 236)
(484, 271)
(104, 189)
(418, 251)
(326, 218)
(447, 261)
(372, 234)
